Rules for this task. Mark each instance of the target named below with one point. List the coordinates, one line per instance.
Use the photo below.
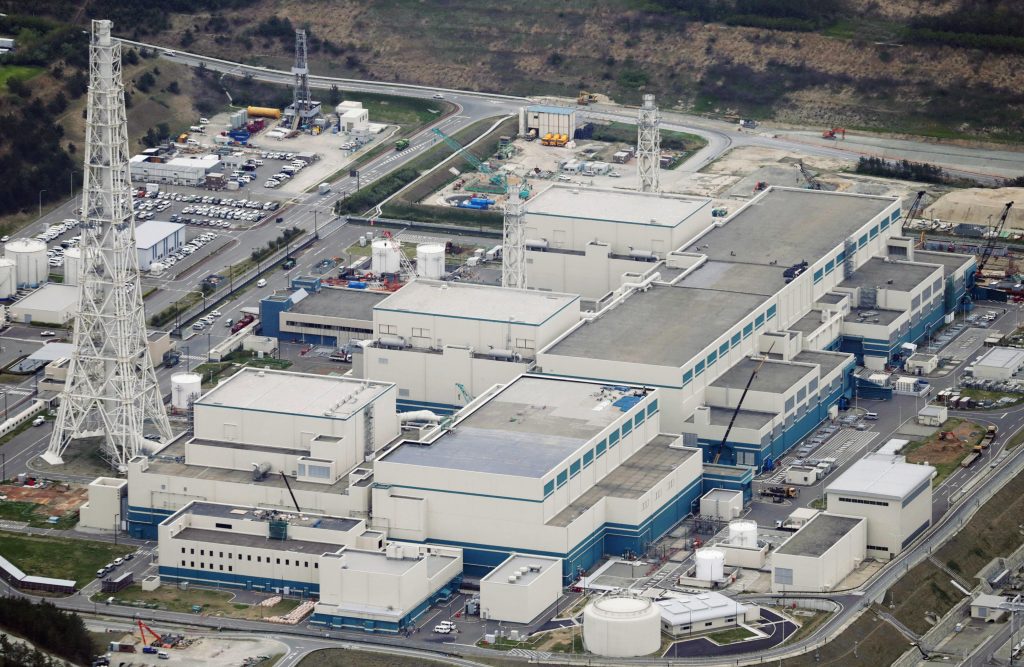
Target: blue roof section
(626, 402)
(550, 108)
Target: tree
(146, 82)
(173, 88)
(131, 57)
(76, 85)
(19, 87)
(334, 96)
(187, 38)
(58, 104)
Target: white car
(215, 313)
(38, 421)
(198, 326)
(442, 629)
(262, 282)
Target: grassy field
(58, 557)
(214, 603)
(332, 657)
(731, 635)
(23, 72)
(29, 512)
(924, 588)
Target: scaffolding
(648, 146)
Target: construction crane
(914, 211)
(739, 404)
(463, 152)
(143, 628)
(290, 492)
(463, 393)
(812, 182)
(993, 237)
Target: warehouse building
(561, 468)
(255, 427)
(156, 240)
(683, 614)
(521, 588)
(999, 363)
(361, 581)
(50, 304)
(820, 555)
(894, 496)
(444, 342)
(191, 170)
(333, 317)
(544, 119)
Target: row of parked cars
(110, 567)
(208, 321)
(145, 210)
(286, 172)
(187, 249)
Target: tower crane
(739, 404)
(986, 254)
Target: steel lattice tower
(301, 96)
(111, 388)
(648, 146)
(513, 241)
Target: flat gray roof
(787, 226)
(622, 206)
(818, 535)
(291, 393)
(49, 297)
(152, 232)
(774, 377)
(950, 261)
(476, 302)
(881, 477)
(244, 512)
(997, 357)
(353, 304)
(736, 277)
(52, 352)
(901, 276)
(256, 541)
(809, 323)
(826, 361)
(525, 430)
(663, 326)
(512, 564)
(633, 478)
(882, 315)
(833, 297)
(744, 418)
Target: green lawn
(394, 110)
(731, 635)
(13, 510)
(22, 72)
(213, 602)
(60, 558)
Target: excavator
(834, 133)
(585, 98)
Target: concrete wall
(104, 509)
(592, 275)
(888, 527)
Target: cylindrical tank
(386, 256)
(622, 627)
(710, 565)
(72, 265)
(266, 112)
(185, 388)
(30, 257)
(430, 260)
(8, 274)
(743, 533)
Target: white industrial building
(156, 240)
(723, 504)
(999, 363)
(894, 496)
(685, 614)
(521, 588)
(820, 555)
(352, 117)
(106, 507)
(585, 241)
(332, 317)
(544, 119)
(50, 304)
(444, 342)
(561, 468)
(360, 580)
(190, 170)
(989, 608)
(260, 424)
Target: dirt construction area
(979, 206)
(207, 651)
(949, 445)
(53, 500)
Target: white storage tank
(386, 256)
(430, 260)
(185, 388)
(30, 257)
(622, 627)
(8, 277)
(710, 565)
(743, 533)
(72, 265)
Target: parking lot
(212, 210)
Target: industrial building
(156, 240)
(819, 555)
(542, 466)
(443, 343)
(107, 505)
(360, 580)
(683, 614)
(999, 363)
(584, 241)
(259, 425)
(544, 119)
(50, 304)
(894, 496)
(521, 588)
(190, 170)
(326, 316)
(352, 117)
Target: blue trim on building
(409, 620)
(405, 405)
(233, 580)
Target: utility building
(157, 240)
(894, 496)
(521, 588)
(191, 170)
(999, 363)
(820, 555)
(544, 119)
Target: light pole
(316, 232)
(41, 202)
(117, 527)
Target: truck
(172, 358)
(969, 459)
(401, 144)
(288, 263)
(990, 433)
(779, 493)
(246, 320)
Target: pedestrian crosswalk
(533, 656)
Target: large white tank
(72, 265)
(430, 260)
(622, 627)
(8, 277)
(185, 388)
(386, 256)
(30, 256)
(743, 533)
(710, 565)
